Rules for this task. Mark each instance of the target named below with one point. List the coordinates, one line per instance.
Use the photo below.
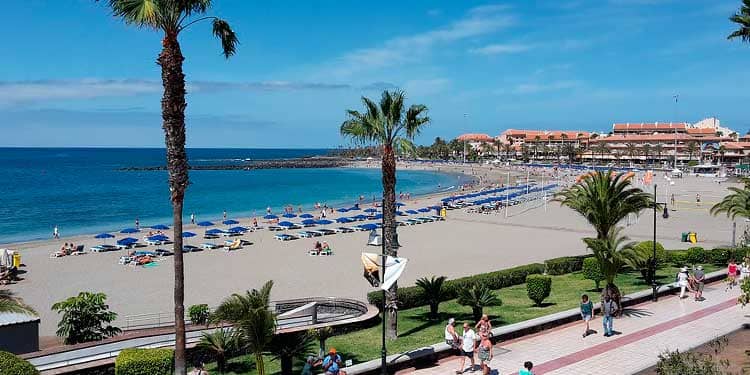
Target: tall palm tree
(498, 147)
(646, 150)
(507, 148)
(602, 149)
(537, 139)
(9, 303)
(737, 203)
(658, 150)
(691, 147)
(632, 149)
(251, 314)
(172, 18)
(391, 126)
(742, 19)
(612, 252)
(570, 151)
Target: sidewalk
(646, 330)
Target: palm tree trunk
(173, 122)
(259, 365)
(286, 365)
(389, 221)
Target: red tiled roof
(736, 145)
(649, 126)
(665, 137)
(544, 135)
(475, 137)
(698, 131)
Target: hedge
(695, 255)
(592, 270)
(563, 265)
(10, 364)
(144, 362)
(538, 287)
(412, 296)
(678, 258)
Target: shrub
(695, 255)
(13, 365)
(85, 318)
(478, 296)
(678, 258)
(432, 291)
(662, 257)
(538, 288)
(563, 265)
(199, 314)
(413, 296)
(592, 270)
(144, 362)
(719, 255)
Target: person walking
(484, 352)
(55, 232)
(225, 214)
(732, 273)
(137, 224)
(192, 218)
(698, 199)
(451, 337)
(699, 279)
(526, 370)
(682, 281)
(671, 200)
(468, 342)
(587, 312)
(609, 309)
(745, 268)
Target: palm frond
(612, 252)
(742, 19)
(224, 32)
(190, 7)
(735, 204)
(12, 304)
(144, 13)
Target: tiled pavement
(646, 331)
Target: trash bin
(685, 236)
(17, 259)
(693, 237)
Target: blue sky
(72, 75)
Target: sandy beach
(466, 243)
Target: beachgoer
(699, 279)
(682, 281)
(332, 363)
(484, 325)
(587, 312)
(697, 199)
(199, 370)
(318, 247)
(671, 199)
(323, 213)
(268, 210)
(137, 224)
(309, 364)
(732, 273)
(609, 309)
(192, 218)
(484, 353)
(745, 269)
(255, 222)
(55, 232)
(451, 337)
(225, 214)
(468, 342)
(325, 246)
(526, 370)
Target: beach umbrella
(158, 238)
(368, 226)
(289, 215)
(230, 222)
(269, 217)
(308, 221)
(159, 227)
(323, 222)
(435, 207)
(205, 224)
(358, 217)
(354, 208)
(237, 229)
(371, 209)
(343, 220)
(378, 216)
(424, 209)
(286, 224)
(306, 216)
(399, 213)
(342, 210)
(214, 231)
(399, 204)
(411, 212)
(130, 230)
(103, 235)
(127, 241)
(188, 234)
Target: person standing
(745, 268)
(671, 200)
(484, 325)
(192, 218)
(697, 199)
(587, 312)
(699, 278)
(332, 363)
(609, 309)
(225, 214)
(468, 342)
(451, 337)
(55, 232)
(137, 224)
(682, 281)
(732, 273)
(484, 352)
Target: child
(526, 370)
(587, 312)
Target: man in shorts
(700, 279)
(468, 342)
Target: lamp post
(383, 351)
(654, 286)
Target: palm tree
(602, 149)
(498, 147)
(172, 18)
(507, 148)
(537, 139)
(646, 150)
(251, 314)
(658, 149)
(613, 253)
(742, 19)
(691, 146)
(570, 151)
(432, 290)
(288, 347)
(722, 151)
(735, 204)
(9, 303)
(390, 126)
(321, 334)
(221, 343)
(632, 149)
(478, 296)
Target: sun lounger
(412, 221)
(275, 228)
(210, 236)
(425, 219)
(285, 237)
(125, 259)
(437, 218)
(209, 245)
(233, 245)
(326, 252)
(103, 248)
(190, 248)
(163, 252)
(344, 230)
(308, 234)
(326, 231)
(322, 252)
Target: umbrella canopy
(158, 237)
(286, 224)
(323, 222)
(103, 235)
(289, 215)
(214, 231)
(411, 212)
(127, 241)
(368, 226)
(343, 210)
(270, 217)
(306, 216)
(230, 222)
(359, 217)
(399, 204)
(399, 213)
(130, 230)
(343, 220)
(237, 229)
(378, 216)
(188, 234)
(435, 207)
(308, 221)
(371, 209)
(424, 209)
(205, 224)
(354, 208)
(159, 227)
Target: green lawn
(416, 330)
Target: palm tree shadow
(544, 304)
(240, 367)
(636, 313)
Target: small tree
(642, 257)
(321, 334)
(538, 287)
(689, 363)
(432, 290)
(744, 298)
(478, 296)
(199, 314)
(221, 343)
(13, 365)
(85, 318)
(592, 271)
(290, 346)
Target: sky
(72, 75)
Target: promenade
(643, 332)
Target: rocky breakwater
(314, 162)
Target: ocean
(82, 190)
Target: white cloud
(399, 50)
(534, 88)
(497, 49)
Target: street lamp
(383, 351)
(654, 286)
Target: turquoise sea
(82, 191)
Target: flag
(394, 267)
(372, 268)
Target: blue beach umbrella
(230, 222)
(342, 210)
(188, 234)
(399, 213)
(354, 208)
(237, 229)
(130, 230)
(371, 209)
(286, 224)
(411, 212)
(359, 217)
(159, 227)
(400, 204)
(378, 216)
(214, 231)
(424, 209)
(158, 238)
(205, 224)
(269, 217)
(127, 241)
(368, 226)
(343, 220)
(103, 235)
(306, 216)
(308, 221)
(323, 222)
(289, 215)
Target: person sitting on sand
(325, 246)
(318, 247)
(255, 222)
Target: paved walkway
(645, 331)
